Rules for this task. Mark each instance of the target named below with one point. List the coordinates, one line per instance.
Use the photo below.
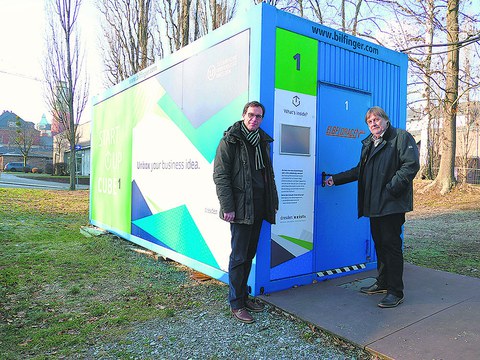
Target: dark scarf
(253, 137)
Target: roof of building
(8, 116)
(44, 124)
(44, 120)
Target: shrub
(36, 170)
(60, 168)
(49, 168)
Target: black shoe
(254, 306)
(390, 301)
(373, 289)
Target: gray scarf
(253, 137)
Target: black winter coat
(233, 178)
(385, 174)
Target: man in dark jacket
(388, 164)
(245, 185)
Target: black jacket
(233, 178)
(385, 174)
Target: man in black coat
(388, 164)
(247, 193)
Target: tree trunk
(66, 93)
(446, 179)
(469, 126)
(185, 22)
(70, 92)
(427, 162)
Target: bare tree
(417, 25)
(317, 10)
(186, 20)
(356, 17)
(172, 32)
(132, 37)
(24, 137)
(445, 179)
(221, 12)
(66, 84)
(426, 169)
(433, 66)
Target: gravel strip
(215, 334)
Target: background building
(467, 163)
(40, 153)
(61, 149)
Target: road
(9, 180)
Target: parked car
(17, 166)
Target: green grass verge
(61, 291)
(446, 241)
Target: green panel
(302, 243)
(111, 167)
(177, 229)
(296, 63)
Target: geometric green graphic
(296, 63)
(207, 136)
(111, 164)
(177, 229)
(302, 243)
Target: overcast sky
(21, 46)
(22, 29)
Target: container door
(341, 239)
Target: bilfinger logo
(344, 132)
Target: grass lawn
(60, 291)
(443, 232)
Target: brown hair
(253, 104)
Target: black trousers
(244, 247)
(386, 233)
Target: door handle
(324, 176)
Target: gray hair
(377, 111)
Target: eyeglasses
(256, 116)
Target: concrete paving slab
(338, 307)
(449, 334)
